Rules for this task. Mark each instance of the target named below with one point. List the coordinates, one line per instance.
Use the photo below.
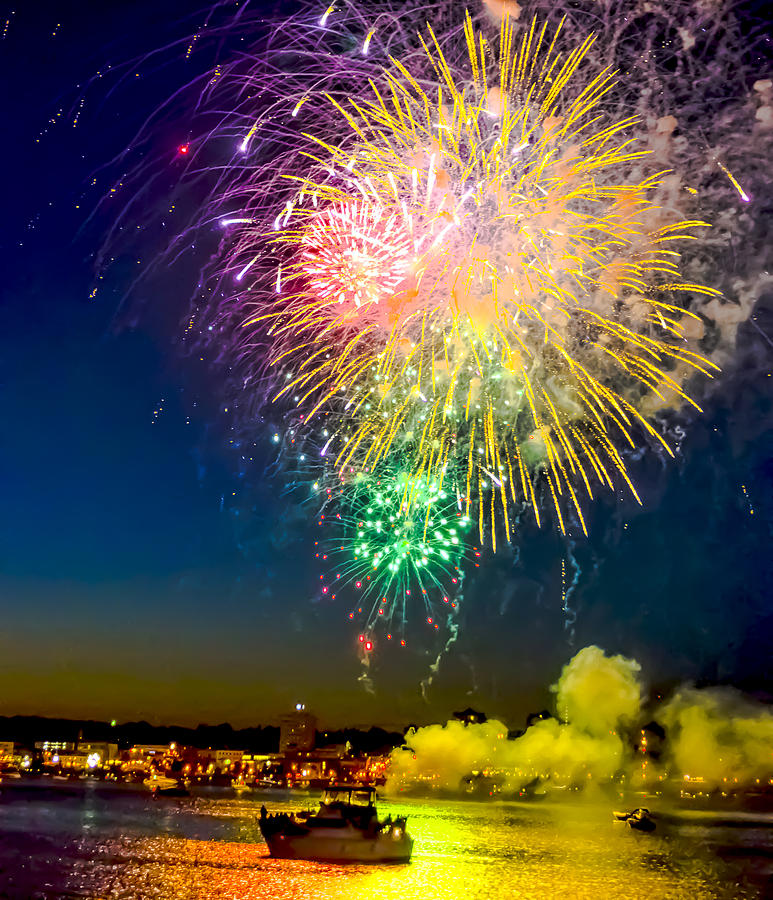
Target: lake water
(89, 842)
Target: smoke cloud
(716, 736)
(719, 736)
(595, 693)
(441, 756)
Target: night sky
(142, 578)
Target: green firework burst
(398, 542)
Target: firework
(353, 256)
(469, 275)
(392, 539)
(444, 268)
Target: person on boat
(263, 812)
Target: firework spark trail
(570, 613)
(452, 629)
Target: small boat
(344, 829)
(640, 819)
(161, 786)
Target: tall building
(297, 731)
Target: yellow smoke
(719, 736)
(714, 736)
(595, 693)
(440, 756)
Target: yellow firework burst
(473, 275)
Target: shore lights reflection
(469, 850)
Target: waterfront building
(54, 746)
(220, 760)
(297, 731)
(304, 770)
(312, 768)
(253, 763)
(150, 753)
(375, 769)
(76, 760)
(6, 751)
(103, 751)
(52, 753)
(84, 755)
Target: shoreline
(750, 805)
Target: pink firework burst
(356, 253)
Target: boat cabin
(349, 795)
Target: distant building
(103, 751)
(149, 752)
(253, 763)
(87, 755)
(68, 759)
(471, 716)
(6, 751)
(150, 756)
(59, 753)
(376, 768)
(314, 769)
(297, 731)
(220, 760)
(54, 746)
(534, 717)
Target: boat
(346, 828)
(161, 786)
(640, 819)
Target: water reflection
(462, 851)
(131, 848)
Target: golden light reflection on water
(466, 851)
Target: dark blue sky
(130, 587)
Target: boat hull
(340, 848)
